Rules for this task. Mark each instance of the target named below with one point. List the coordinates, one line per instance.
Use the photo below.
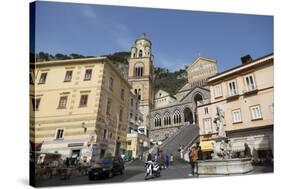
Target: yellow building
(245, 96)
(79, 107)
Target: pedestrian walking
(171, 159)
(161, 160)
(189, 152)
(181, 150)
(194, 159)
(166, 160)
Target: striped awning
(207, 146)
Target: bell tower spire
(141, 75)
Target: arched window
(138, 69)
(140, 53)
(167, 119)
(177, 117)
(157, 121)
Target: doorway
(188, 116)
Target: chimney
(246, 59)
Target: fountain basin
(225, 166)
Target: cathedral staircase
(185, 136)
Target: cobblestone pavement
(134, 172)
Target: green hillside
(168, 81)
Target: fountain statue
(222, 162)
(222, 148)
(219, 120)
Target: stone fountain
(222, 162)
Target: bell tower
(140, 75)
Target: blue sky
(178, 36)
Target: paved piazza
(134, 172)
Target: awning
(238, 146)
(207, 146)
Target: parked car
(107, 167)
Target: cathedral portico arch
(188, 115)
(197, 97)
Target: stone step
(185, 136)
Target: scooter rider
(152, 168)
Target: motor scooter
(152, 169)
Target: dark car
(107, 167)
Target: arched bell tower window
(140, 53)
(139, 94)
(138, 69)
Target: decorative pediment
(201, 68)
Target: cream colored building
(135, 116)
(137, 145)
(137, 141)
(80, 107)
(245, 95)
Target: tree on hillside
(74, 56)
(60, 56)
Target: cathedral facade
(164, 113)
(171, 112)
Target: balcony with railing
(232, 95)
(251, 89)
